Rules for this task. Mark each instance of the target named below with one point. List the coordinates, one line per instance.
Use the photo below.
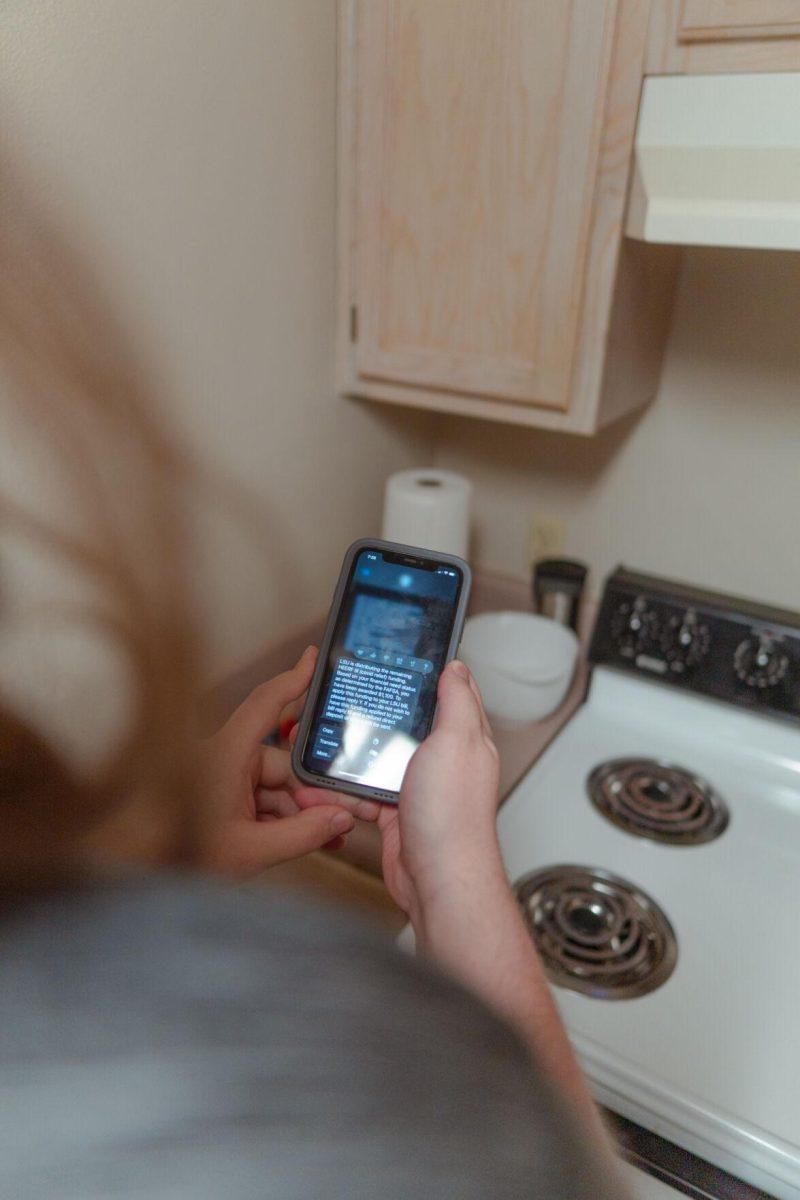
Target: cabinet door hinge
(353, 323)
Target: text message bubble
(383, 695)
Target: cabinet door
(478, 124)
(711, 20)
(702, 37)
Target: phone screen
(378, 692)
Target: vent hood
(717, 161)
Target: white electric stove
(655, 850)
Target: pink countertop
(518, 748)
(521, 746)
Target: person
(168, 1034)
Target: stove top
(657, 800)
(596, 933)
(655, 849)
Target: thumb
(457, 708)
(292, 837)
(259, 713)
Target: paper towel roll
(428, 508)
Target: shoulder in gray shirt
(166, 1038)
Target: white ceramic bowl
(523, 664)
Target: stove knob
(634, 627)
(760, 660)
(684, 641)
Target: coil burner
(656, 800)
(597, 934)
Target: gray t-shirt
(167, 1038)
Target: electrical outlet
(546, 538)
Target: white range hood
(717, 161)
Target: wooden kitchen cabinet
(708, 36)
(485, 150)
(713, 20)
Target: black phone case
(341, 785)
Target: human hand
(442, 834)
(257, 820)
(442, 865)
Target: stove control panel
(705, 642)
(761, 660)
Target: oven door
(660, 1170)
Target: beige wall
(189, 146)
(705, 485)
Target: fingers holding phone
(256, 818)
(443, 832)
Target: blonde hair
(69, 371)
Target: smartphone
(395, 621)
